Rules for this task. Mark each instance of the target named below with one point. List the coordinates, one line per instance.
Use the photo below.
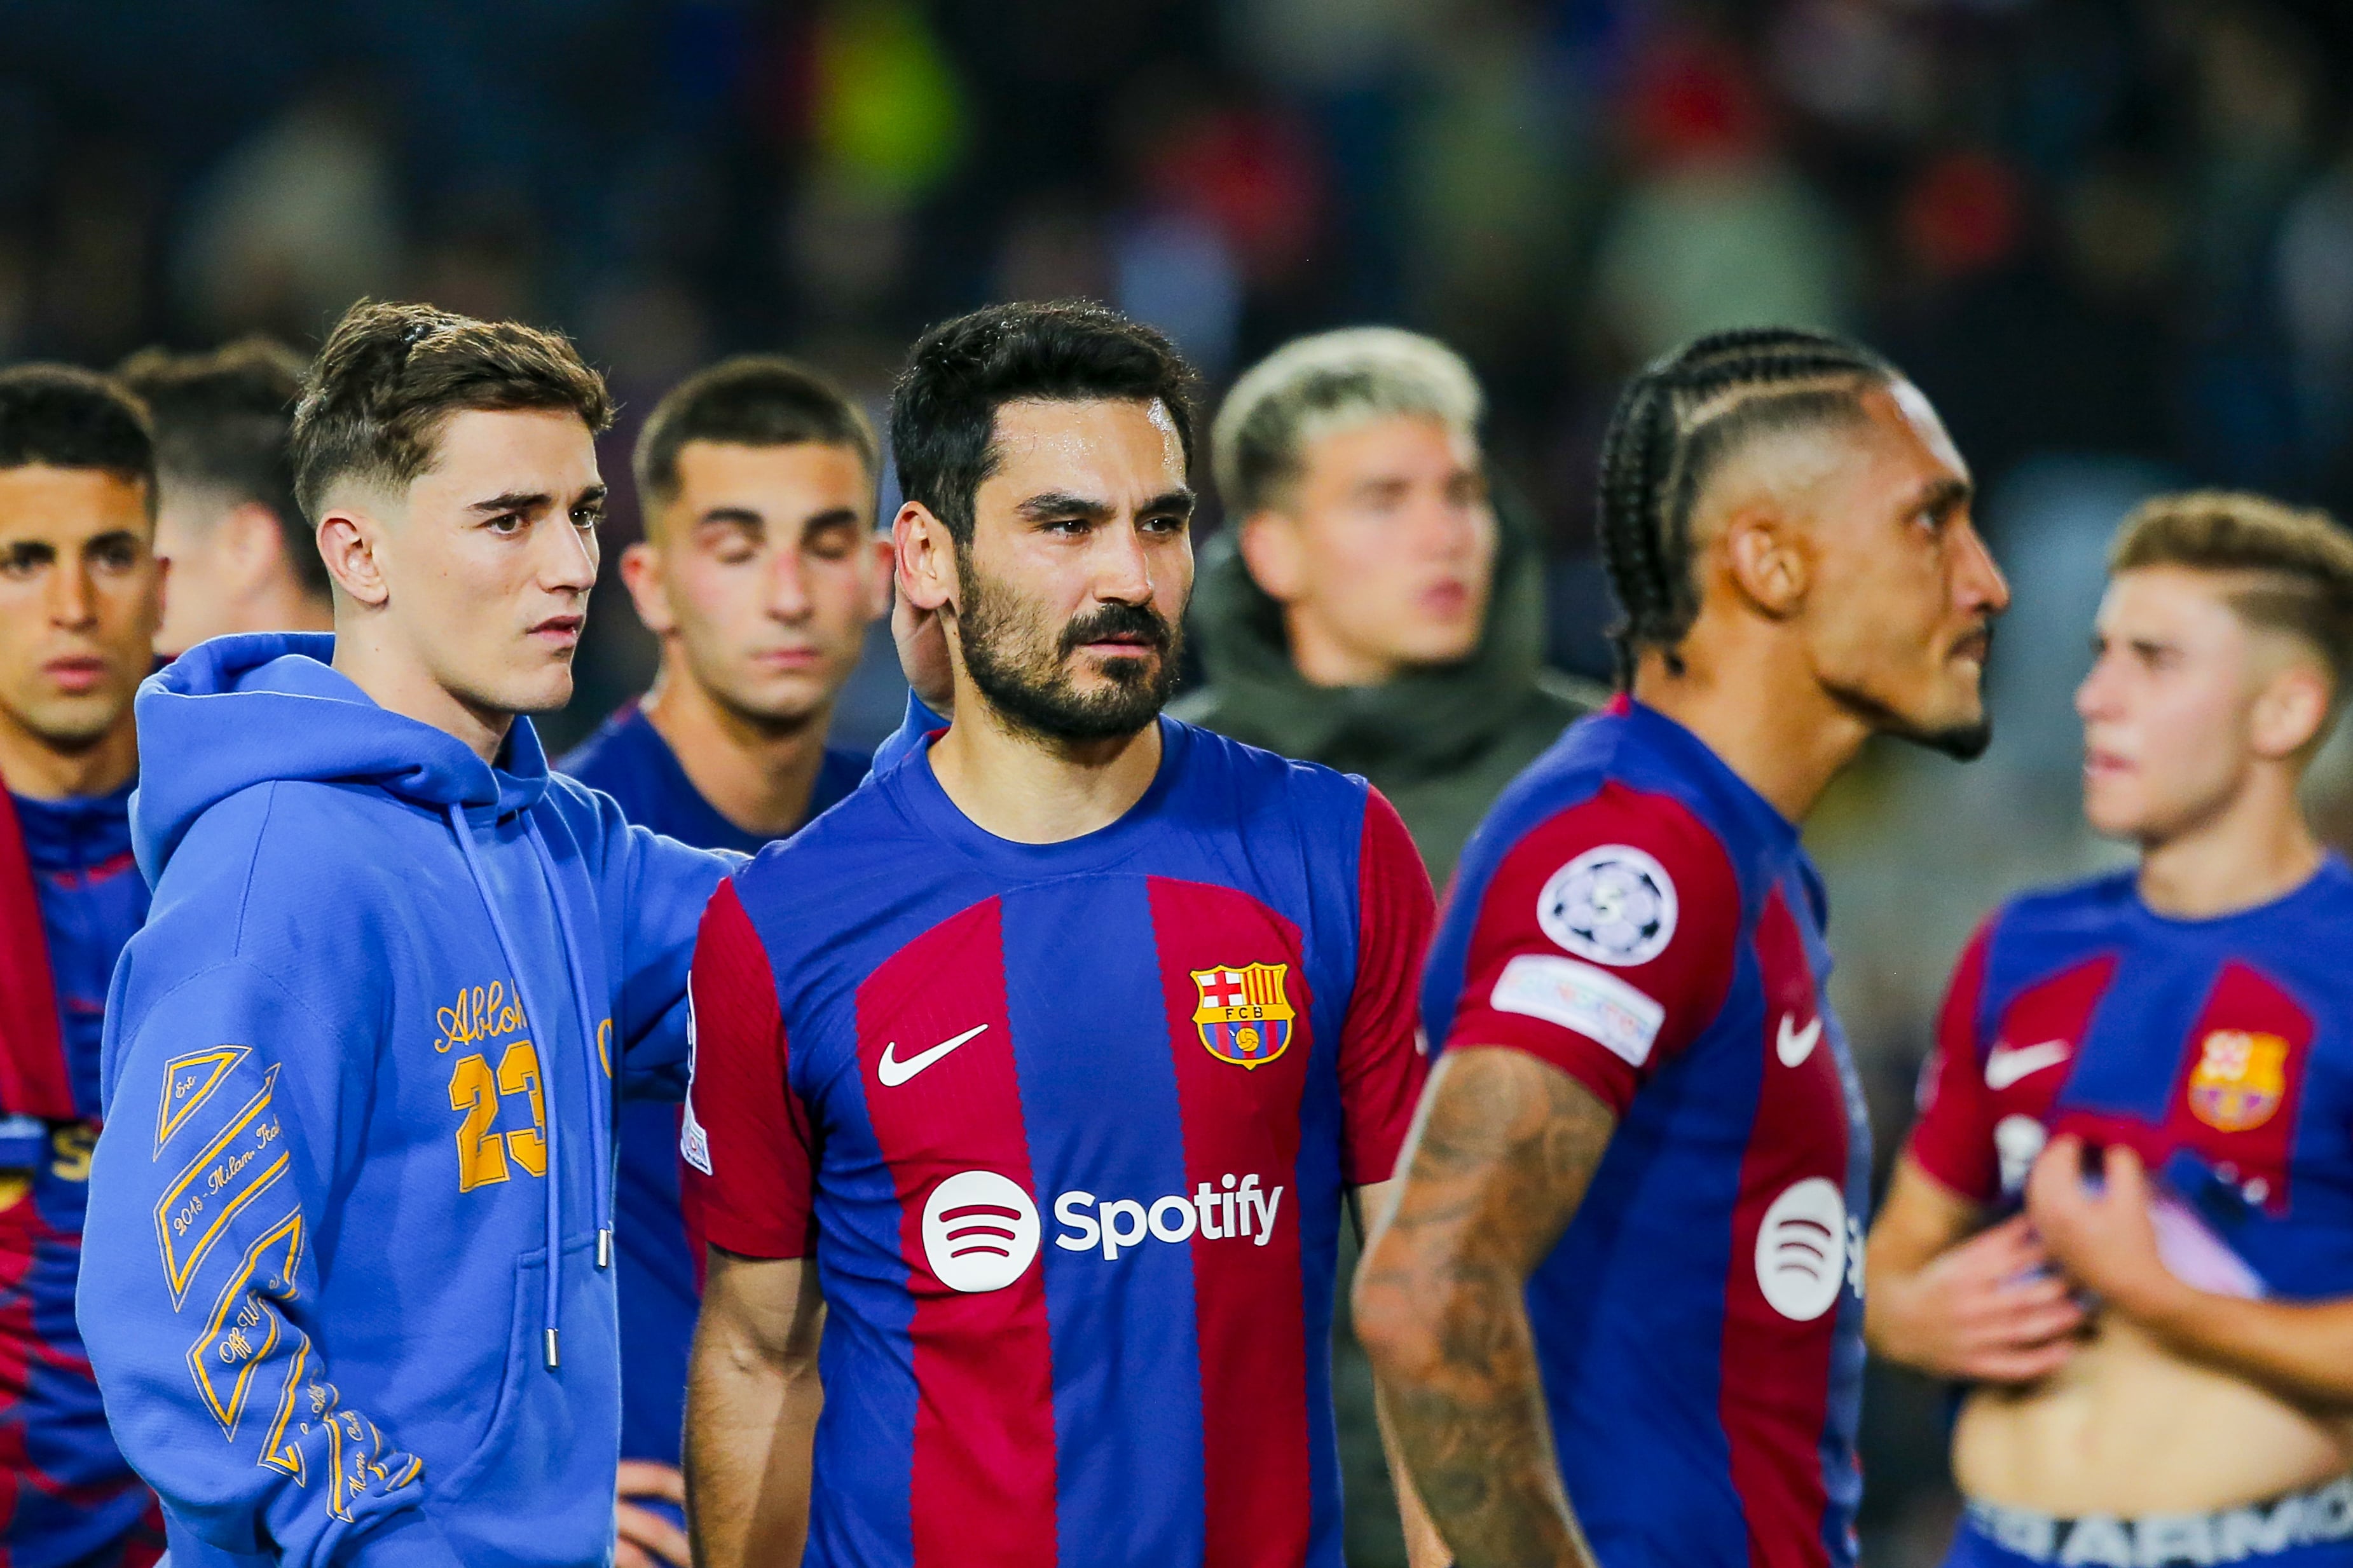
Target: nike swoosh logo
(2005, 1065)
(1793, 1045)
(894, 1072)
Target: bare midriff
(2129, 1428)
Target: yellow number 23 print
(474, 1089)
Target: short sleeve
(1603, 943)
(1382, 1057)
(744, 1135)
(1953, 1140)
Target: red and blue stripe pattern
(70, 899)
(1079, 1264)
(1699, 1324)
(2219, 1049)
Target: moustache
(1119, 620)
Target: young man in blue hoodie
(351, 1298)
(81, 592)
(759, 573)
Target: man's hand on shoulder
(648, 1539)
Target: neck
(1037, 791)
(370, 659)
(1323, 659)
(1760, 711)
(281, 605)
(758, 775)
(39, 770)
(2255, 849)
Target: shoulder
(608, 751)
(850, 850)
(1256, 784)
(2092, 907)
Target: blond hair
(2297, 565)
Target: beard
(1963, 742)
(1024, 670)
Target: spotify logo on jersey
(1802, 1249)
(980, 1231)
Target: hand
(2102, 1236)
(648, 1540)
(1985, 1311)
(923, 655)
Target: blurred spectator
(242, 554)
(294, 226)
(1719, 229)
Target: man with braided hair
(1616, 1309)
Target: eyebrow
(535, 500)
(111, 538)
(1942, 495)
(1051, 504)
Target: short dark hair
(1676, 423)
(943, 409)
(58, 417)
(390, 375)
(752, 400)
(222, 420)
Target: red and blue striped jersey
(1067, 1128)
(2220, 1051)
(1637, 916)
(66, 1495)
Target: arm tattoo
(1499, 1159)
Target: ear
(1764, 560)
(1274, 554)
(926, 552)
(252, 545)
(882, 559)
(351, 543)
(2289, 713)
(641, 574)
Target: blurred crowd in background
(2112, 240)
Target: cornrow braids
(1674, 425)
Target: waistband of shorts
(2316, 1516)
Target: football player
(759, 573)
(1619, 1307)
(2158, 1064)
(1041, 1068)
(81, 591)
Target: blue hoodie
(346, 1280)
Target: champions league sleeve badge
(1613, 905)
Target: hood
(261, 707)
(1429, 718)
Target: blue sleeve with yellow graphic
(227, 1100)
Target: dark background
(2112, 240)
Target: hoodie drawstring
(600, 1128)
(535, 1019)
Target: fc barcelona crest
(2239, 1080)
(1244, 1017)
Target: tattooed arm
(1500, 1153)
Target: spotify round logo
(980, 1231)
(1802, 1249)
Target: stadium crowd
(2106, 240)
